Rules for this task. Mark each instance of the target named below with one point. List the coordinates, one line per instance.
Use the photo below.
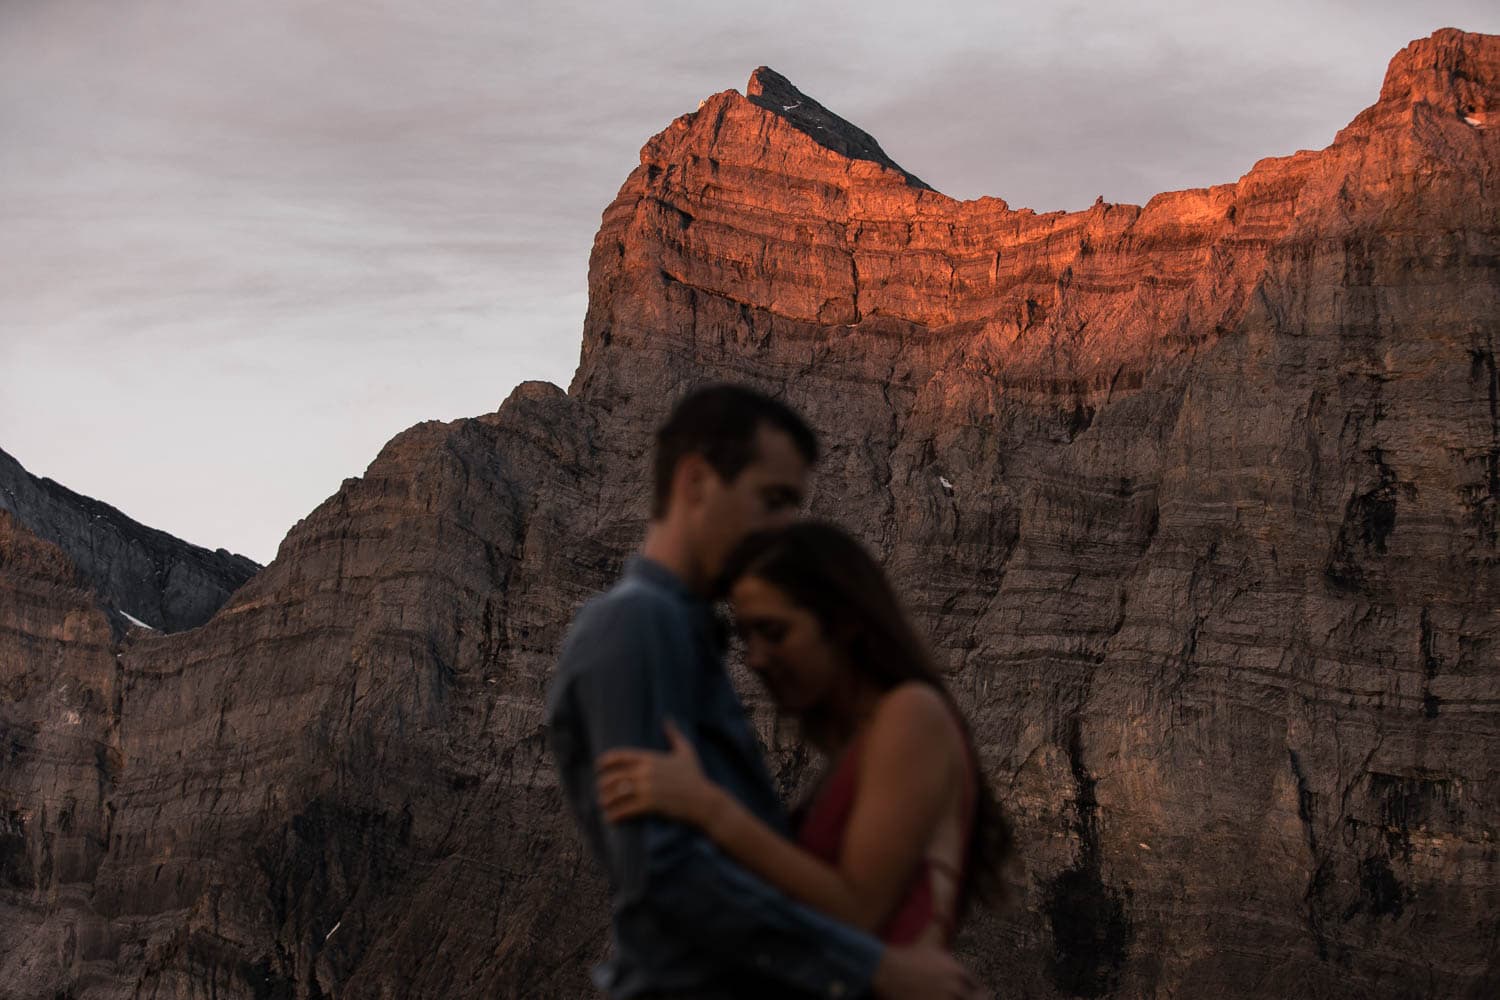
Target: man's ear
(690, 478)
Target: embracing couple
(715, 894)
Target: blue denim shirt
(685, 918)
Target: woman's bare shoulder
(915, 717)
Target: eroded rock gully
(1215, 576)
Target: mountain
(1198, 501)
(160, 581)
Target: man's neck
(667, 546)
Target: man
(688, 923)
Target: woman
(902, 831)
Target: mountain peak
(1451, 70)
(770, 90)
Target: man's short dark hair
(720, 423)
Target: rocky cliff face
(1216, 579)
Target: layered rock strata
(1198, 501)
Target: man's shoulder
(632, 601)
(633, 613)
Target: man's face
(767, 494)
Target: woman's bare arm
(906, 779)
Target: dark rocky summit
(770, 90)
(1200, 502)
(157, 579)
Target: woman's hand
(637, 782)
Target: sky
(243, 243)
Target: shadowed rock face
(1215, 576)
(159, 580)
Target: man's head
(729, 461)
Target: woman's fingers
(621, 805)
(622, 785)
(620, 781)
(618, 757)
(623, 758)
(619, 809)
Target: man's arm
(629, 670)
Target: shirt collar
(640, 567)
(651, 571)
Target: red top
(822, 834)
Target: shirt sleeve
(630, 672)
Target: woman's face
(786, 646)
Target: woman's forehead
(752, 588)
(751, 595)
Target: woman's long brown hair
(820, 567)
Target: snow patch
(136, 621)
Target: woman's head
(816, 613)
(793, 653)
(819, 618)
